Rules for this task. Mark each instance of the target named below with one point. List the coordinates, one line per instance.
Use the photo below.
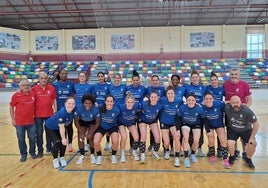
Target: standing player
(56, 126)
(109, 114)
(127, 118)
(100, 90)
(87, 121)
(138, 91)
(198, 89)
(218, 92)
(160, 90)
(45, 106)
(213, 110)
(167, 123)
(65, 89)
(150, 111)
(190, 118)
(81, 89)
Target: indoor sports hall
(153, 37)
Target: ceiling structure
(88, 14)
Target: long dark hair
(103, 106)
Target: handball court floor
(39, 172)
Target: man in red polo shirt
(22, 115)
(45, 106)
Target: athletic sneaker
(244, 156)
(200, 152)
(193, 157)
(113, 159)
(123, 157)
(135, 155)
(177, 162)
(156, 155)
(63, 161)
(172, 152)
(56, 163)
(70, 148)
(249, 164)
(187, 162)
(142, 158)
(92, 159)
(23, 159)
(212, 159)
(99, 160)
(226, 164)
(236, 154)
(86, 147)
(167, 153)
(107, 146)
(80, 160)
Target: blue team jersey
(190, 116)
(169, 111)
(61, 117)
(217, 93)
(197, 90)
(80, 90)
(127, 117)
(100, 91)
(109, 118)
(119, 93)
(150, 113)
(214, 114)
(159, 90)
(180, 92)
(138, 93)
(63, 91)
(86, 115)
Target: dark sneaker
(236, 154)
(23, 159)
(34, 156)
(249, 164)
(231, 160)
(244, 156)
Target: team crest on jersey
(241, 115)
(112, 114)
(60, 119)
(215, 109)
(196, 114)
(91, 115)
(68, 86)
(176, 106)
(133, 112)
(237, 90)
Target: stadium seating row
(11, 72)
